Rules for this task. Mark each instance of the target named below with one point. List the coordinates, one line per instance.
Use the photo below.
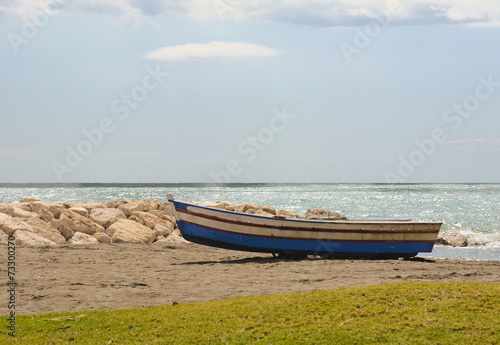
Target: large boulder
(269, 209)
(113, 204)
(9, 224)
(27, 238)
(106, 216)
(6, 209)
(167, 217)
(223, 205)
(22, 213)
(163, 229)
(22, 205)
(42, 211)
(102, 237)
(246, 208)
(45, 230)
(81, 238)
(76, 222)
(90, 205)
(164, 214)
(129, 231)
(174, 237)
(288, 214)
(264, 213)
(167, 207)
(131, 207)
(151, 205)
(82, 211)
(145, 218)
(29, 200)
(66, 232)
(452, 238)
(45, 214)
(324, 214)
(55, 208)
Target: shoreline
(121, 276)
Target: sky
(249, 91)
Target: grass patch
(403, 313)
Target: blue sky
(249, 91)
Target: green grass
(403, 313)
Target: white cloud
(213, 50)
(316, 13)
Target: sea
(471, 209)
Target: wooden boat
(292, 237)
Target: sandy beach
(118, 276)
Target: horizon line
(206, 184)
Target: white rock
(90, 205)
(106, 216)
(27, 238)
(6, 209)
(167, 207)
(9, 224)
(42, 211)
(264, 213)
(102, 237)
(163, 229)
(55, 208)
(55, 223)
(288, 214)
(45, 230)
(76, 222)
(452, 238)
(29, 200)
(128, 231)
(81, 238)
(113, 204)
(23, 206)
(149, 219)
(136, 219)
(165, 216)
(269, 209)
(131, 207)
(21, 213)
(82, 211)
(172, 239)
(66, 232)
(216, 204)
(324, 214)
(151, 205)
(175, 237)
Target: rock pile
(36, 223)
(452, 238)
(271, 212)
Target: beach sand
(119, 276)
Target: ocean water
(471, 209)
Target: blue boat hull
(213, 238)
(256, 233)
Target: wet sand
(119, 276)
